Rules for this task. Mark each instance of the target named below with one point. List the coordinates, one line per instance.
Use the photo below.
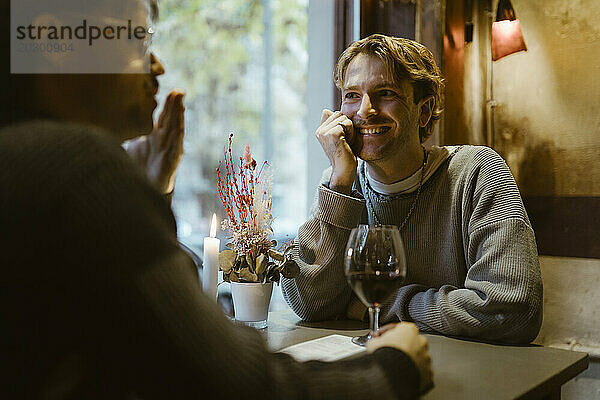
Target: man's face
(384, 114)
(133, 95)
(133, 100)
(130, 98)
(122, 103)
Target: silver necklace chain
(414, 203)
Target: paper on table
(328, 348)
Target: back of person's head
(404, 59)
(53, 94)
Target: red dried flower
(248, 217)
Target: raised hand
(336, 136)
(160, 152)
(405, 336)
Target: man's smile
(379, 130)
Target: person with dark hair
(98, 298)
(473, 268)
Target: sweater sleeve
(501, 299)
(321, 292)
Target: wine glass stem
(374, 319)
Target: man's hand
(336, 135)
(160, 152)
(405, 336)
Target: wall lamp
(507, 37)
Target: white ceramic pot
(251, 302)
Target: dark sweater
(98, 300)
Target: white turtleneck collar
(436, 156)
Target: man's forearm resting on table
(321, 291)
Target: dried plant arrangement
(246, 197)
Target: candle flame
(213, 226)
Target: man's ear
(426, 107)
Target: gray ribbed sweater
(473, 266)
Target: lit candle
(210, 261)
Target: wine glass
(375, 265)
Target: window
(243, 65)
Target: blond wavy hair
(404, 59)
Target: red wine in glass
(373, 288)
(375, 267)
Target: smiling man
(473, 267)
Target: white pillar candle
(210, 262)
